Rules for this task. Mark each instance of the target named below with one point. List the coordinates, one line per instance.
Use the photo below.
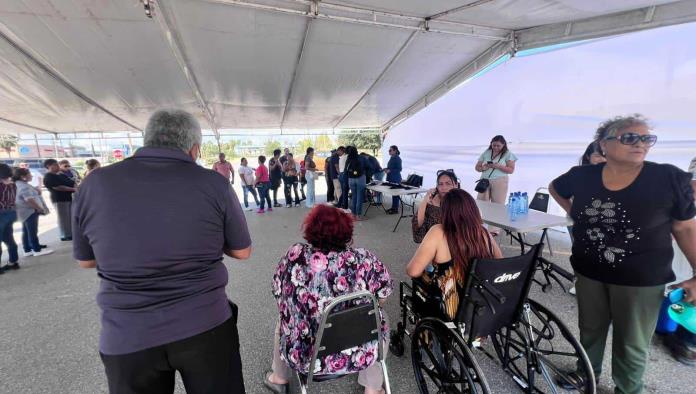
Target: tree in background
(361, 139)
(302, 145)
(7, 142)
(324, 143)
(210, 150)
(270, 146)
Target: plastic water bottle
(513, 207)
(525, 203)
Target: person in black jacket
(356, 167)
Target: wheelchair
(529, 341)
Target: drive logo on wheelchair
(506, 277)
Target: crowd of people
(163, 301)
(21, 200)
(346, 172)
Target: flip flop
(274, 387)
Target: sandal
(275, 387)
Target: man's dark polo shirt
(157, 225)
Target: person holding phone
(495, 164)
(429, 208)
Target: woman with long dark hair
(460, 239)
(495, 164)
(355, 171)
(429, 210)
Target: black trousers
(329, 188)
(208, 363)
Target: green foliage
(270, 146)
(324, 143)
(7, 142)
(361, 139)
(302, 145)
(210, 150)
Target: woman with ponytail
(452, 245)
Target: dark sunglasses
(633, 138)
(451, 171)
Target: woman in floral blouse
(308, 277)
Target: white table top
(395, 192)
(497, 215)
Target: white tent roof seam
(273, 64)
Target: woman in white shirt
(247, 176)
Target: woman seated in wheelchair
(308, 277)
(442, 259)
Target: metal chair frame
(328, 310)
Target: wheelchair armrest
(490, 289)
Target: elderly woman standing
(29, 206)
(624, 212)
(308, 277)
(429, 209)
(495, 164)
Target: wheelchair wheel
(442, 362)
(551, 361)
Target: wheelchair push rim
(541, 352)
(442, 363)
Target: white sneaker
(27, 254)
(43, 252)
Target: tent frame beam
(607, 25)
(557, 33)
(53, 73)
(411, 23)
(298, 65)
(470, 69)
(165, 19)
(27, 125)
(401, 50)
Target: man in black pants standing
(158, 250)
(275, 167)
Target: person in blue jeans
(29, 206)
(8, 215)
(246, 175)
(394, 174)
(355, 172)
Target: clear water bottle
(513, 207)
(525, 203)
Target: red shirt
(262, 174)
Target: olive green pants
(632, 313)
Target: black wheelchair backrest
(495, 291)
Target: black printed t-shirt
(624, 237)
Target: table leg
(401, 214)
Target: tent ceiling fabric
(87, 65)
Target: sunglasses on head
(633, 138)
(451, 171)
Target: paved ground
(49, 321)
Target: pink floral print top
(305, 282)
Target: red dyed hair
(463, 227)
(328, 228)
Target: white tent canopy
(85, 65)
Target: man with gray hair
(155, 226)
